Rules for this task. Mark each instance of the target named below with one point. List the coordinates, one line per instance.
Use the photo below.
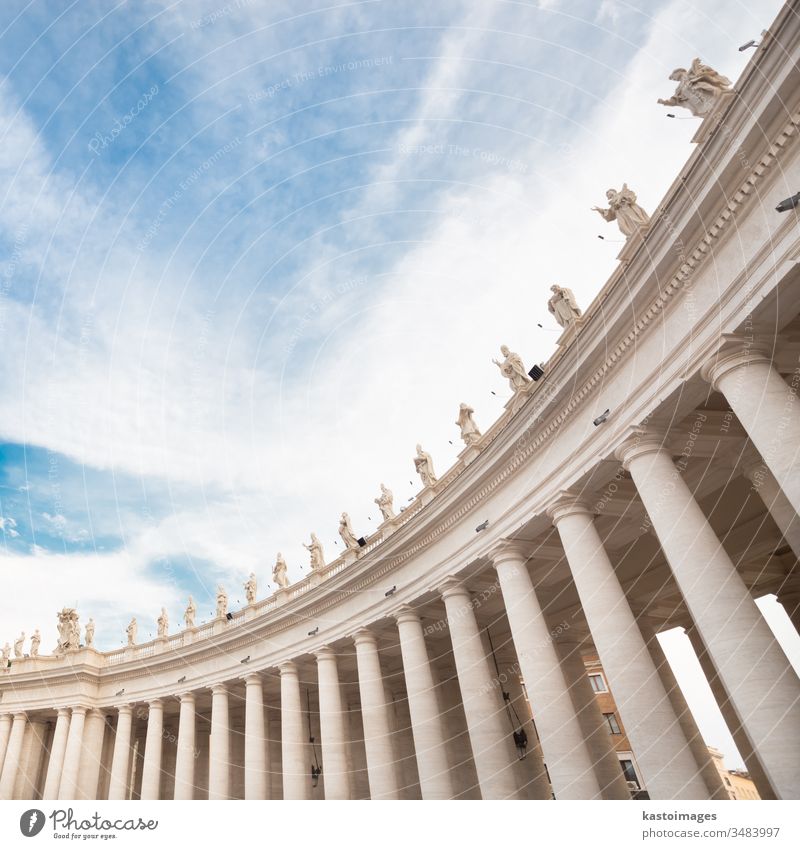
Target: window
(598, 683)
(628, 771)
(613, 725)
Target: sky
(253, 252)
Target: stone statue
(513, 369)
(89, 632)
(423, 463)
(563, 305)
(6, 655)
(222, 603)
(250, 588)
(190, 613)
(623, 209)
(18, 645)
(280, 572)
(36, 640)
(69, 631)
(469, 430)
(317, 555)
(698, 88)
(163, 623)
(131, 631)
(346, 533)
(385, 502)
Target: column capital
(324, 653)
(734, 352)
(252, 678)
(81, 710)
(363, 636)
(62, 711)
(287, 667)
(19, 715)
(567, 504)
(126, 710)
(513, 550)
(405, 613)
(155, 704)
(187, 696)
(452, 587)
(219, 689)
(638, 443)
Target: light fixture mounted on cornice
(391, 591)
(120, 692)
(314, 632)
(181, 679)
(483, 526)
(245, 659)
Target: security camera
(601, 418)
(790, 203)
(482, 527)
(748, 45)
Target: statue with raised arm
(513, 369)
(280, 572)
(89, 632)
(423, 463)
(163, 623)
(623, 209)
(36, 641)
(251, 588)
(18, 643)
(563, 306)
(190, 613)
(69, 631)
(132, 631)
(698, 88)
(346, 533)
(222, 603)
(385, 502)
(317, 555)
(469, 430)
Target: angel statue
(513, 369)
(346, 533)
(563, 305)
(385, 502)
(469, 430)
(280, 572)
(623, 209)
(423, 463)
(317, 555)
(698, 88)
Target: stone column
(256, 769)
(219, 756)
(486, 725)
(766, 405)
(58, 748)
(28, 776)
(595, 726)
(775, 501)
(375, 717)
(336, 774)
(667, 765)
(68, 788)
(572, 775)
(426, 722)
(120, 760)
(151, 769)
(296, 772)
(5, 733)
(11, 763)
(761, 683)
(789, 597)
(185, 753)
(89, 770)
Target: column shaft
(89, 771)
(68, 788)
(5, 733)
(256, 771)
(296, 772)
(335, 772)
(781, 510)
(219, 756)
(12, 761)
(120, 761)
(153, 744)
(185, 754)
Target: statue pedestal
(518, 399)
(632, 244)
(250, 612)
(281, 596)
(349, 557)
(189, 635)
(569, 334)
(220, 624)
(160, 645)
(426, 496)
(469, 454)
(713, 119)
(129, 653)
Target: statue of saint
(69, 631)
(18, 645)
(222, 603)
(698, 88)
(469, 430)
(6, 655)
(280, 572)
(36, 640)
(317, 555)
(190, 613)
(74, 630)
(623, 209)
(385, 502)
(163, 623)
(346, 533)
(513, 369)
(423, 463)
(250, 588)
(89, 632)
(131, 631)
(563, 305)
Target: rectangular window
(613, 725)
(628, 771)
(598, 683)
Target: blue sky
(253, 252)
